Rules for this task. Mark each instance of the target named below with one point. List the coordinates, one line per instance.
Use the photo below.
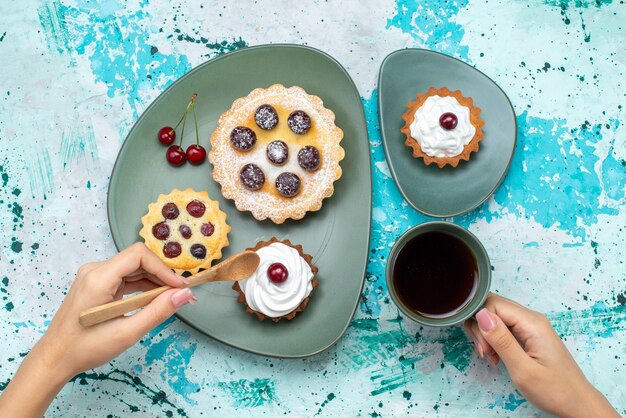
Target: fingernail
(182, 297)
(485, 321)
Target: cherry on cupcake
(448, 121)
(170, 211)
(277, 273)
(196, 208)
(167, 135)
(198, 251)
(299, 122)
(161, 231)
(252, 177)
(185, 231)
(288, 184)
(309, 158)
(175, 155)
(172, 249)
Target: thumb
(157, 311)
(497, 334)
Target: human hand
(538, 362)
(68, 348)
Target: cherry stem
(195, 119)
(183, 119)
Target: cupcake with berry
(276, 153)
(281, 286)
(186, 229)
(442, 127)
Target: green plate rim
(382, 134)
(161, 95)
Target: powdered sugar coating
(266, 117)
(288, 184)
(277, 152)
(267, 202)
(252, 177)
(299, 122)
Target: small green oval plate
(337, 236)
(448, 191)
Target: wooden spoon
(237, 267)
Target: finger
(157, 311)
(484, 345)
(496, 333)
(142, 276)
(139, 256)
(509, 311)
(138, 286)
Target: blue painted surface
(84, 70)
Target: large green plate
(337, 236)
(448, 191)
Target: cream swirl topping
(435, 140)
(278, 299)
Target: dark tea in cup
(438, 274)
(435, 274)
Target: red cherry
(277, 273)
(175, 155)
(196, 154)
(448, 121)
(166, 135)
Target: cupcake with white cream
(282, 284)
(442, 127)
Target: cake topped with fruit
(442, 127)
(276, 153)
(186, 229)
(282, 284)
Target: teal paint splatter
(215, 47)
(52, 20)
(157, 396)
(391, 215)
(88, 184)
(120, 54)
(578, 6)
(2, 37)
(457, 349)
(614, 176)
(532, 244)
(250, 393)
(432, 23)
(329, 398)
(175, 351)
(394, 377)
(509, 403)
(16, 246)
(9, 306)
(40, 174)
(600, 320)
(552, 179)
(16, 192)
(17, 210)
(78, 145)
(365, 324)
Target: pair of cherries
(175, 155)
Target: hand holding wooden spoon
(237, 267)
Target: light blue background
(77, 74)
